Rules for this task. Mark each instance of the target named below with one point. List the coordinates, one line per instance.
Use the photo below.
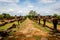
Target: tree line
(33, 13)
(5, 15)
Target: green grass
(5, 27)
(51, 25)
(1, 22)
(44, 29)
(22, 26)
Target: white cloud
(9, 0)
(11, 10)
(20, 11)
(48, 1)
(30, 5)
(23, 9)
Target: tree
(1, 16)
(5, 15)
(59, 17)
(55, 15)
(32, 13)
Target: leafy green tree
(5, 15)
(59, 17)
(1, 16)
(55, 15)
(32, 13)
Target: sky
(22, 7)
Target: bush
(6, 15)
(1, 16)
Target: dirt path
(29, 30)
